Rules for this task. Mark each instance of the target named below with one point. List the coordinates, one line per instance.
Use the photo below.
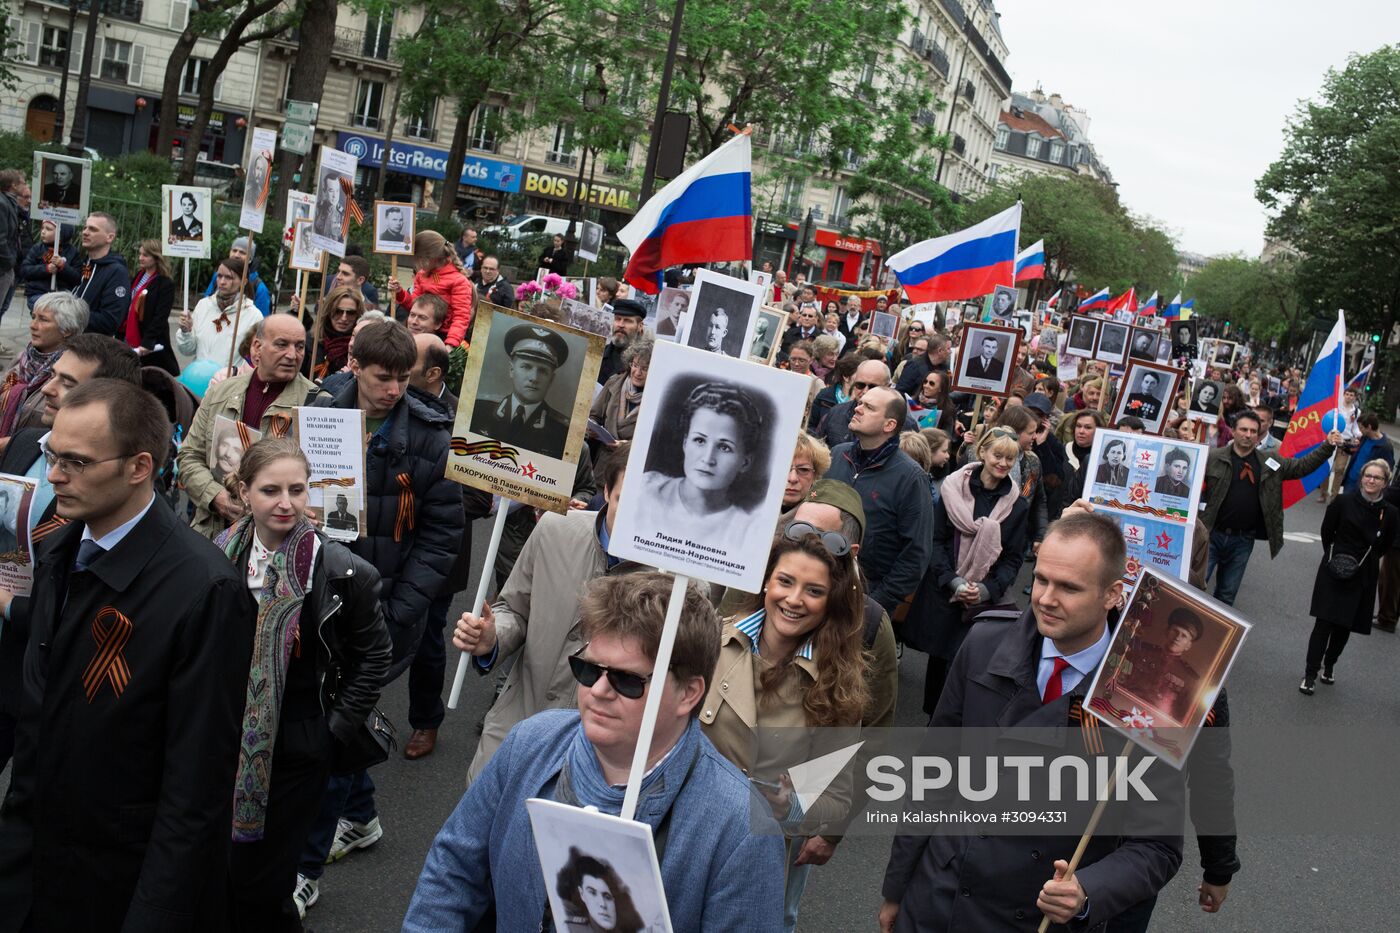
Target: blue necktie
(88, 551)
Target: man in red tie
(1021, 676)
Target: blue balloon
(196, 376)
(1334, 420)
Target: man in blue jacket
(1374, 445)
(718, 873)
(104, 284)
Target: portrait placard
(709, 462)
(1001, 305)
(62, 188)
(1083, 335)
(585, 317)
(601, 871)
(16, 553)
(524, 409)
(1112, 345)
(767, 335)
(333, 440)
(335, 183)
(672, 307)
(590, 241)
(1150, 486)
(1147, 392)
(724, 311)
(762, 279)
(987, 359)
(1144, 344)
(883, 325)
(1223, 353)
(300, 206)
(394, 228)
(184, 221)
(228, 442)
(1183, 338)
(1163, 670)
(257, 180)
(1207, 395)
(305, 255)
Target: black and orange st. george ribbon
(493, 449)
(279, 424)
(44, 529)
(344, 482)
(245, 435)
(352, 208)
(404, 521)
(111, 630)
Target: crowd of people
(192, 631)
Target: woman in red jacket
(439, 272)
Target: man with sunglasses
(534, 613)
(835, 427)
(719, 872)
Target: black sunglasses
(626, 683)
(834, 542)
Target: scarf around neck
(287, 581)
(979, 538)
(30, 371)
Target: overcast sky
(1188, 99)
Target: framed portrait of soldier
(1223, 353)
(1207, 395)
(1183, 338)
(1165, 666)
(184, 221)
(590, 241)
(521, 424)
(601, 871)
(300, 206)
(709, 461)
(671, 307)
(723, 313)
(585, 317)
(1001, 304)
(335, 185)
(1147, 392)
(305, 255)
(767, 335)
(257, 179)
(62, 188)
(987, 359)
(1143, 345)
(883, 325)
(1112, 345)
(393, 228)
(16, 557)
(1082, 336)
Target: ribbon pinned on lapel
(111, 630)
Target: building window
(791, 202)
(561, 148)
(368, 105)
(1033, 144)
(420, 125)
(486, 128)
(1003, 135)
(1057, 151)
(194, 72)
(618, 162)
(53, 51)
(841, 207)
(116, 60)
(377, 32)
(992, 171)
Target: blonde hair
(152, 249)
(814, 450)
(916, 446)
(1379, 464)
(998, 442)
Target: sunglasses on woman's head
(834, 542)
(626, 683)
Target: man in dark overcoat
(119, 811)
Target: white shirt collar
(1086, 661)
(114, 537)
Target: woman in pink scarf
(979, 540)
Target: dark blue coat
(107, 293)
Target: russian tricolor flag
(1030, 262)
(1098, 301)
(965, 264)
(1321, 394)
(1173, 311)
(1149, 306)
(705, 215)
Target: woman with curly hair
(598, 900)
(793, 659)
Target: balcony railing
(366, 121)
(956, 11)
(561, 158)
(969, 91)
(939, 58)
(129, 10)
(959, 144)
(917, 42)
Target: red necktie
(1054, 688)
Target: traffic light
(1376, 337)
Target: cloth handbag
(1344, 566)
(373, 743)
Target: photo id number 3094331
(1033, 816)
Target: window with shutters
(194, 73)
(1057, 151)
(486, 128)
(1033, 144)
(53, 48)
(179, 14)
(369, 104)
(116, 60)
(378, 30)
(1003, 136)
(561, 148)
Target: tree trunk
(58, 122)
(389, 140)
(447, 202)
(308, 82)
(170, 92)
(77, 138)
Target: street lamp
(595, 96)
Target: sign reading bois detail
(333, 440)
(709, 460)
(524, 408)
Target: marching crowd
(188, 635)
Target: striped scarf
(29, 373)
(279, 618)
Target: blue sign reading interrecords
(431, 163)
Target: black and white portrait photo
(1183, 339)
(342, 509)
(1112, 346)
(393, 228)
(708, 465)
(184, 218)
(986, 359)
(257, 179)
(1206, 398)
(671, 306)
(335, 178)
(187, 226)
(528, 388)
(1144, 344)
(1174, 480)
(61, 188)
(601, 872)
(1224, 354)
(765, 335)
(1113, 468)
(883, 325)
(590, 241)
(1003, 304)
(1083, 334)
(723, 312)
(306, 256)
(1148, 390)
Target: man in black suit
(987, 365)
(62, 189)
(342, 519)
(1017, 677)
(523, 418)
